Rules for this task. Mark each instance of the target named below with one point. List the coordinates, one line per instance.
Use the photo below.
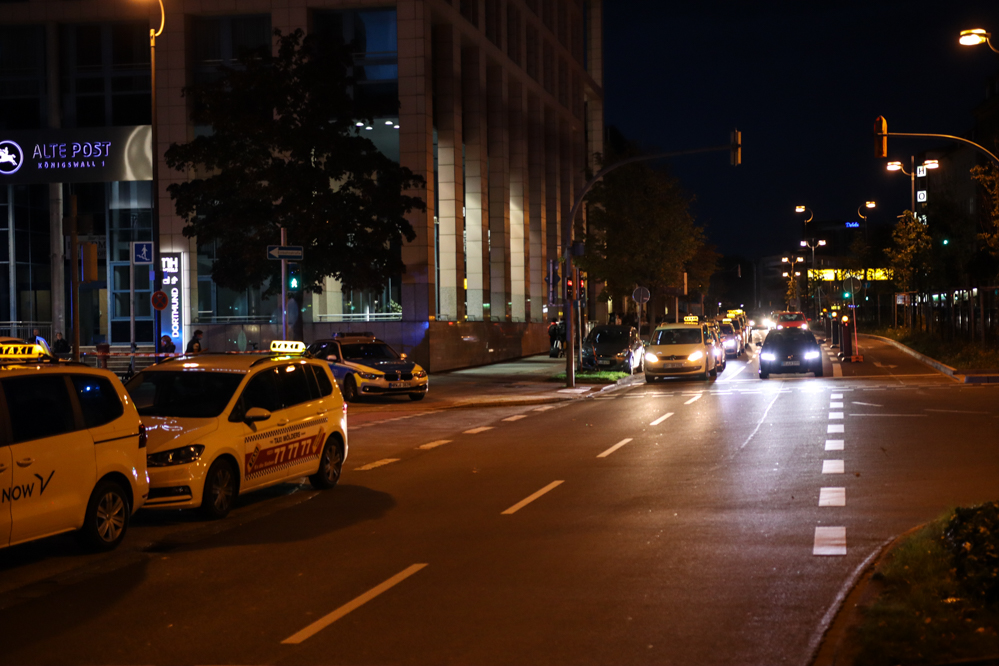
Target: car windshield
(792, 316)
(322, 349)
(677, 336)
(369, 351)
(182, 393)
(727, 329)
(608, 336)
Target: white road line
(729, 375)
(661, 418)
(834, 445)
(832, 466)
(527, 500)
(614, 448)
(516, 417)
(356, 603)
(871, 404)
(904, 415)
(377, 463)
(476, 431)
(836, 396)
(434, 445)
(945, 411)
(692, 400)
(544, 408)
(832, 497)
(829, 541)
(835, 415)
(835, 405)
(579, 389)
(837, 369)
(834, 428)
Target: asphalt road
(683, 522)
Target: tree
(909, 254)
(988, 177)
(284, 151)
(639, 232)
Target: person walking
(553, 337)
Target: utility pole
(74, 269)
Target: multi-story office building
(497, 104)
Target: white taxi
(72, 450)
(224, 424)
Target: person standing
(60, 345)
(196, 338)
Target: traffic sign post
(140, 254)
(159, 300)
(285, 253)
(641, 296)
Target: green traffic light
(294, 283)
(846, 294)
(946, 241)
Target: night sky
(804, 82)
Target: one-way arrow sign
(289, 252)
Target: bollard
(103, 350)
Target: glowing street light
(897, 166)
(802, 209)
(976, 36)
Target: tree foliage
(640, 232)
(909, 254)
(284, 151)
(988, 177)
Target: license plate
(605, 361)
(672, 365)
(394, 385)
(787, 363)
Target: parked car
(790, 350)
(613, 347)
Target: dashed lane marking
(434, 445)
(614, 448)
(834, 445)
(835, 415)
(527, 500)
(356, 603)
(692, 400)
(837, 369)
(515, 417)
(832, 497)
(832, 466)
(377, 463)
(836, 396)
(476, 431)
(661, 419)
(835, 405)
(834, 428)
(544, 408)
(829, 541)
(868, 404)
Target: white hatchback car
(224, 424)
(72, 450)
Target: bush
(972, 536)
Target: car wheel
(417, 396)
(714, 372)
(349, 389)
(220, 490)
(107, 516)
(649, 379)
(330, 466)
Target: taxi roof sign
(288, 346)
(22, 352)
(691, 319)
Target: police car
(72, 450)
(220, 425)
(365, 365)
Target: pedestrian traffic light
(881, 137)
(736, 148)
(294, 277)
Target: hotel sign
(173, 286)
(92, 155)
(840, 274)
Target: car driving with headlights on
(790, 350)
(220, 425)
(731, 338)
(792, 320)
(678, 350)
(613, 347)
(364, 365)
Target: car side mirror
(402, 356)
(254, 414)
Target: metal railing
(24, 330)
(368, 316)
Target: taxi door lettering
(44, 483)
(18, 492)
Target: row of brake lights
(392, 124)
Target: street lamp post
(867, 204)
(812, 246)
(154, 203)
(897, 166)
(975, 37)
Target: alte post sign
(91, 155)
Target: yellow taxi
(681, 350)
(72, 450)
(224, 424)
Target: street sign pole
(284, 288)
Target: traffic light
(946, 241)
(294, 277)
(881, 137)
(568, 289)
(846, 294)
(736, 148)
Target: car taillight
(142, 436)
(344, 406)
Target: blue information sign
(142, 252)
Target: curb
(541, 399)
(963, 376)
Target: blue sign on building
(142, 253)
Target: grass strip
(921, 613)
(590, 377)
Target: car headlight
(730, 343)
(696, 356)
(651, 358)
(811, 356)
(767, 356)
(419, 374)
(181, 456)
(622, 355)
(368, 375)
(804, 327)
